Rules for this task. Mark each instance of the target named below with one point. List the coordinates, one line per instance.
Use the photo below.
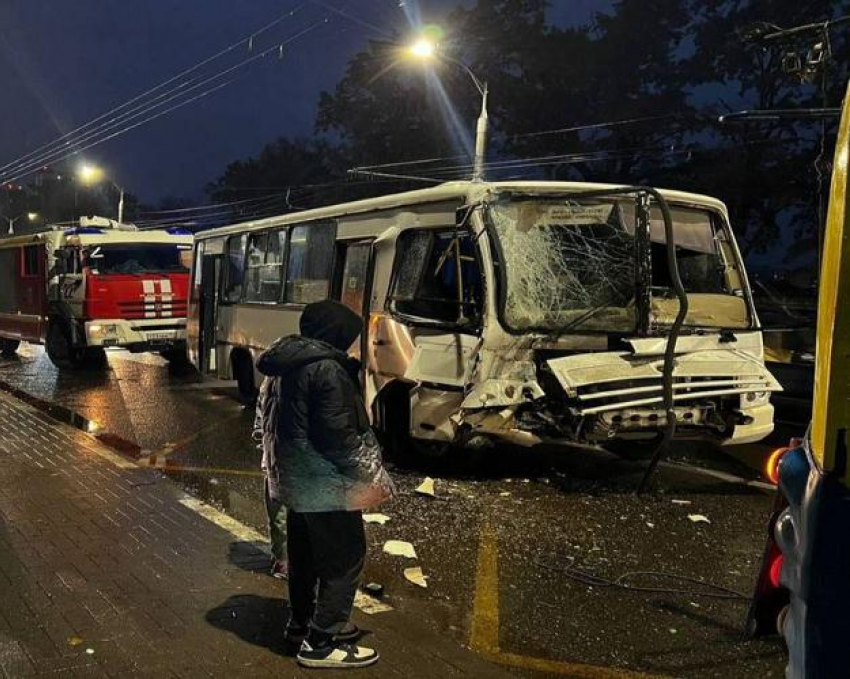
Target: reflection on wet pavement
(504, 538)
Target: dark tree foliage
(281, 164)
(674, 65)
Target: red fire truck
(82, 290)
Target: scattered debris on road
(370, 605)
(698, 518)
(400, 548)
(426, 487)
(376, 518)
(416, 576)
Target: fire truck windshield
(141, 258)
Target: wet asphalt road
(520, 547)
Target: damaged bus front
(574, 311)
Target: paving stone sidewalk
(108, 569)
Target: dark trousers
(277, 524)
(327, 551)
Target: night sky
(64, 62)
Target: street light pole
(31, 216)
(481, 139)
(120, 203)
(425, 49)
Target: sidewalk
(108, 569)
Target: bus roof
(466, 191)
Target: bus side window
(310, 263)
(235, 269)
(264, 266)
(437, 277)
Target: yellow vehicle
(805, 579)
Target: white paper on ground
(427, 487)
(376, 518)
(416, 576)
(400, 548)
(698, 518)
(369, 604)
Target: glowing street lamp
(425, 50)
(31, 216)
(92, 174)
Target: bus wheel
(60, 351)
(243, 370)
(394, 428)
(8, 347)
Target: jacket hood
(293, 352)
(331, 322)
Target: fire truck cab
(82, 290)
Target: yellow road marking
(484, 635)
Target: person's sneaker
(336, 656)
(280, 569)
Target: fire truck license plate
(153, 336)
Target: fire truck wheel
(8, 347)
(177, 356)
(60, 351)
(94, 357)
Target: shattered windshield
(571, 266)
(139, 259)
(566, 265)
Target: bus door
(353, 284)
(210, 284)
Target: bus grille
(604, 382)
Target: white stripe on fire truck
(149, 289)
(167, 297)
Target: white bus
(527, 312)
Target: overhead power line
(596, 126)
(124, 124)
(247, 40)
(210, 206)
